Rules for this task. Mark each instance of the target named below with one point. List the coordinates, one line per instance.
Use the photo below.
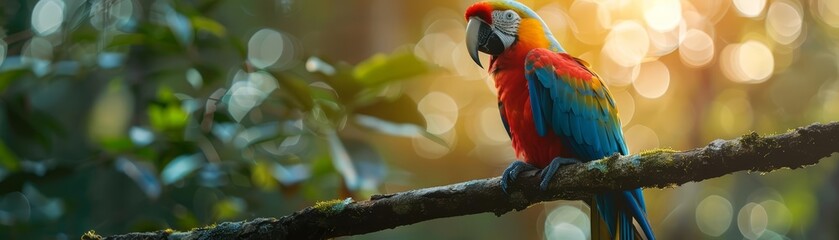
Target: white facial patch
(506, 21)
(507, 24)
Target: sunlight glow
(440, 112)
(640, 137)
(627, 44)
(749, 62)
(828, 11)
(662, 15)
(750, 8)
(653, 80)
(697, 48)
(590, 32)
(626, 106)
(783, 22)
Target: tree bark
(660, 168)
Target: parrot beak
(481, 37)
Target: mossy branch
(656, 168)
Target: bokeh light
(653, 80)
(599, 19)
(640, 137)
(265, 47)
(732, 111)
(615, 74)
(662, 15)
(663, 43)
(38, 49)
(567, 222)
(828, 11)
(315, 64)
(440, 112)
(492, 132)
(626, 106)
(712, 10)
(784, 21)
(194, 78)
(749, 62)
(429, 149)
(439, 45)
(463, 65)
(47, 16)
(557, 20)
(697, 48)
(627, 43)
(779, 216)
(15, 208)
(752, 220)
(749, 8)
(714, 215)
(111, 113)
(248, 90)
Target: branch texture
(656, 168)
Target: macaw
(556, 110)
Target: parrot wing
(571, 101)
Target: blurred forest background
(128, 115)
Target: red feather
(482, 10)
(508, 72)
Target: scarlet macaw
(556, 110)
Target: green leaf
(261, 176)
(400, 110)
(296, 89)
(208, 25)
(8, 158)
(229, 208)
(321, 165)
(111, 113)
(382, 68)
(7, 77)
(342, 162)
(167, 114)
(435, 138)
(369, 165)
(397, 129)
(118, 144)
(127, 40)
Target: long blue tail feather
(618, 210)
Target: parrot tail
(617, 210)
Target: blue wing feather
(586, 117)
(535, 104)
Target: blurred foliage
(143, 115)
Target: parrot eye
(510, 15)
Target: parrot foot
(548, 172)
(512, 172)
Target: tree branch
(656, 168)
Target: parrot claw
(548, 172)
(512, 172)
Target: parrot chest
(528, 145)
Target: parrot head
(494, 27)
